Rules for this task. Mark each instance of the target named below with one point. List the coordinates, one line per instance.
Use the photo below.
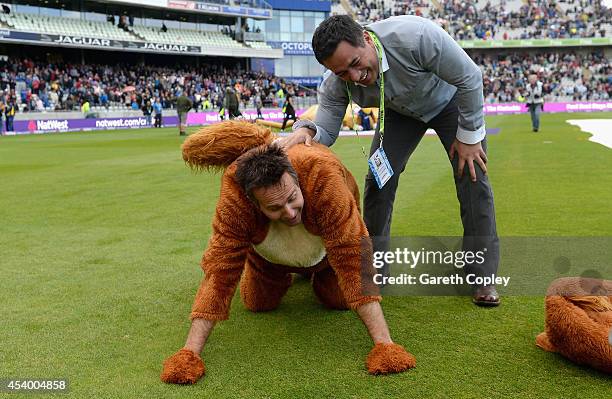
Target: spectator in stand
(85, 107)
(9, 111)
(2, 109)
(147, 111)
(280, 96)
(197, 101)
(104, 100)
(258, 105)
(183, 105)
(207, 105)
(231, 103)
(157, 109)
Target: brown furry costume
(330, 212)
(578, 321)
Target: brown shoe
(486, 296)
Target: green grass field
(102, 234)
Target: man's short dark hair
(263, 167)
(331, 32)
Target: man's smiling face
(281, 202)
(355, 64)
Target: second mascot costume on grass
(331, 246)
(579, 321)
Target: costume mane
(215, 147)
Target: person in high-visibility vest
(222, 113)
(2, 109)
(207, 105)
(280, 95)
(85, 107)
(10, 115)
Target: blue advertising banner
(259, 13)
(305, 5)
(234, 10)
(11, 34)
(309, 81)
(293, 48)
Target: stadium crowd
(531, 19)
(375, 10)
(38, 86)
(534, 19)
(33, 86)
(566, 76)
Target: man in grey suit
(426, 81)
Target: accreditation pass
(380, 167)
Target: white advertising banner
(146, 3)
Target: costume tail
(216, 147)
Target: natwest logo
(52, 124)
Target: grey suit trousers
(401, 137)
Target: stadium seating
(484, 19)
(64, 26)
(184, 36)
(258, 45)
(106, 30)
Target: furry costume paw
(184, 367)
(389, 358)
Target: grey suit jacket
(426, 68)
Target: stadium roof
(185, 11)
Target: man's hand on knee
(468, 154)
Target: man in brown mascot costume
(578, 321)
(280, 213)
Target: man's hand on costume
(468, 154)
(301, 135)
(388, 358)
(184, 367)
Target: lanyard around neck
(381, 107)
